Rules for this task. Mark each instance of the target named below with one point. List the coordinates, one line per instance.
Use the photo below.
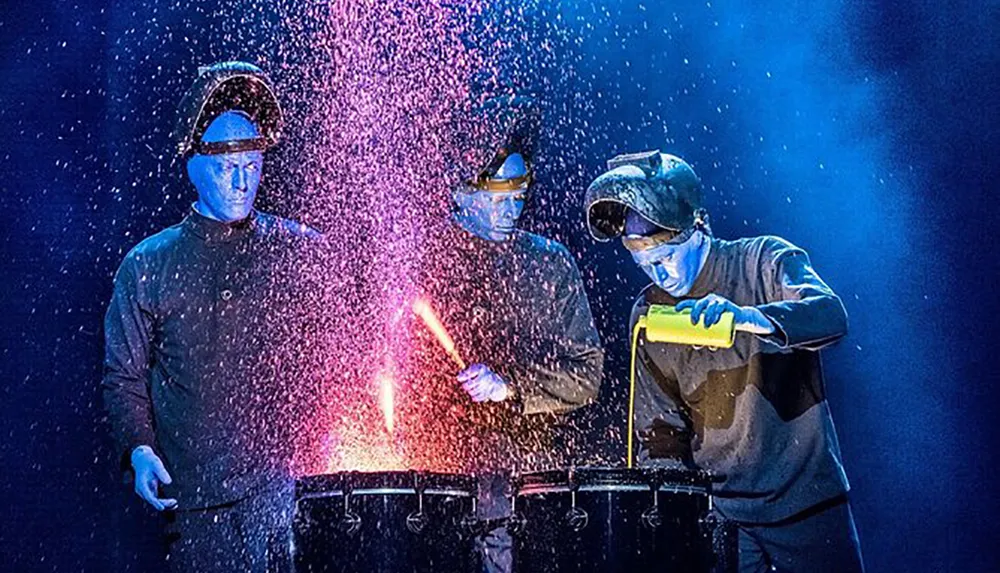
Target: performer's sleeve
(806, 313)
(127, 331)
(661, 424)
(566, 374)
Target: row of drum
(568, 520)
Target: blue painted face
(227, 183)
(493, 215)
(674, 266)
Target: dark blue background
(862, 131)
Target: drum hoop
(386, 491)
(600, 477)
(386, 483)
(564, 488)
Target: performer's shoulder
(157, 243)
(760, 244)
(773, 247)
(289, 227)
(542, 244)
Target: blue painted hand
(149, 474)
(708, 310)
(483, 384)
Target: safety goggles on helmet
(235, 146)
(485, 180)
(666, 238)
(637, 243)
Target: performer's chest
(215, 297)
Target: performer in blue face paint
(515, 304)
(490, 209)
(756, 413)
(198, 408)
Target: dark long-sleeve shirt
(755, 413)
(519, 307)
(196, 364)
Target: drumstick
(422, 309)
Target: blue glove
(149, 474)
(745, 318)
(483, 384)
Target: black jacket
(194, 365)
(519, 307)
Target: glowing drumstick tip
(423, 309)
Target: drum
(611, 520)
(385, 521)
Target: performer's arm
(805, 311)
(567, 374)
(128, 327)
(127, 332)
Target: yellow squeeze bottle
(664, 324)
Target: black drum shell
(384, 540)
(622, 532)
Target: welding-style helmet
(503, 126)
(660, 187)
(222, 87)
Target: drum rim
(593, 478)
(539, 489)
(385, 491)
(386, 483)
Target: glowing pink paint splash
(386, 398)
(371, 90)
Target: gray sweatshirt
(756, 413)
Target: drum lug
(577, 518)
(516, 523)
(651, 518)
(351, 522)
(416, 522)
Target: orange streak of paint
(423, 309)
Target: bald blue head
(227, 183)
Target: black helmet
(661, 187)
(493, 131)
(222, 87)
